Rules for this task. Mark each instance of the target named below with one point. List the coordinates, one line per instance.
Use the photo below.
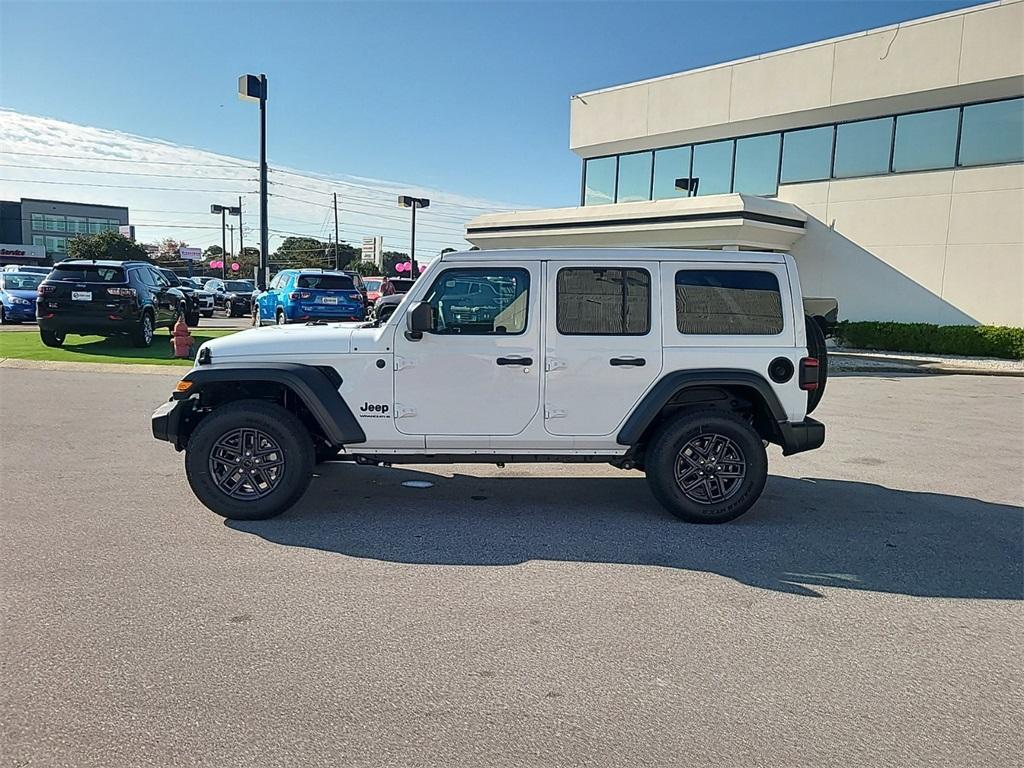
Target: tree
(365, 268)
(310, 252)
(391, 258)
(213, 252)
(106, 245)
(167, 250)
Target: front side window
(728, 302)
(757, 165)
(926, 140)
(599, 180)
(603, 301)
(712, 168)
(993, 133)
(807, 155)
(862, 148)
(634, 177)
(480, 301)
(672, 173)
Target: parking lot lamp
(254, 88)
(405, 201)
(224, 210)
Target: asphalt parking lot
(866, 612)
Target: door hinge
(401, 362)
(403, 411)
(554, 364)
(551, 412)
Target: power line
(125, 173)
(139, 162)
(128, 186)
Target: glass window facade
(599, 188)
(634, 177)
(712, 168)
(993, 133)
(807, 154)
(862, 148)
(603, 301)
(925, 140)
(728, 301)
(671, 165)
(757, 165)
(986, 134)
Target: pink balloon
(234, 266)
(400, 267)
(216, 264)
(422, 267)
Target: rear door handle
(635, 361)
(515, 361)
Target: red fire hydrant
(181, 339)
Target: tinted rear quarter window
(728, 302)
(603, 301)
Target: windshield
(239, 286)
(326, 282)
(19, 281)
(87, 273)
(372, 285)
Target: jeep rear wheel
(51, 338)
(142, 335)
(249, 460)
(707, 465)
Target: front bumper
(20, 312)
(801, 436)
(172, 420)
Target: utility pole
(231, 228)
(224, 241)
(337, 258)
(241, 247)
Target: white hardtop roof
(615, 254)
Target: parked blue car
(303, 295)
(18, 296)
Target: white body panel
(447, 394)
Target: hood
(282, 341)
(32, 295)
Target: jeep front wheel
(249, 460)
(707, 466)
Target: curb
(54, 365)
(924, 369)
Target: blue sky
(467, 97)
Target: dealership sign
(17, 251)
(190, 254)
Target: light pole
(405, 201)
(254, 88)
(223, 210)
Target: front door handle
(620, 361)
(515, 361)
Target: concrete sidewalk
(871, 361)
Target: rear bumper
(87, 325)
(326, 312)
(801, 436)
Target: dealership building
(887, 162)
(40, 229)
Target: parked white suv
(679, 363)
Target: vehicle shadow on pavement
(802, 534)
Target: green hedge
(968, 340)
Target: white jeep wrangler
(682, 364)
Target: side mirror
(419, 319)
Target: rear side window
(728, 302)
(603, 301)
(87, 273)
(326, 282)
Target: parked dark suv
(106, 298)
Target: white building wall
(941, 247)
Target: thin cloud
(168, 189)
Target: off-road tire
(817, 349)
(279, 424)
(699, 424)
(51, 338)
(141, 337)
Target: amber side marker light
(183, 386)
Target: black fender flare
(315, 387)
(669, 385)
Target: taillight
(43, 289)
(296, 295)
(809, 369)
(127, 292)
(356, 296)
